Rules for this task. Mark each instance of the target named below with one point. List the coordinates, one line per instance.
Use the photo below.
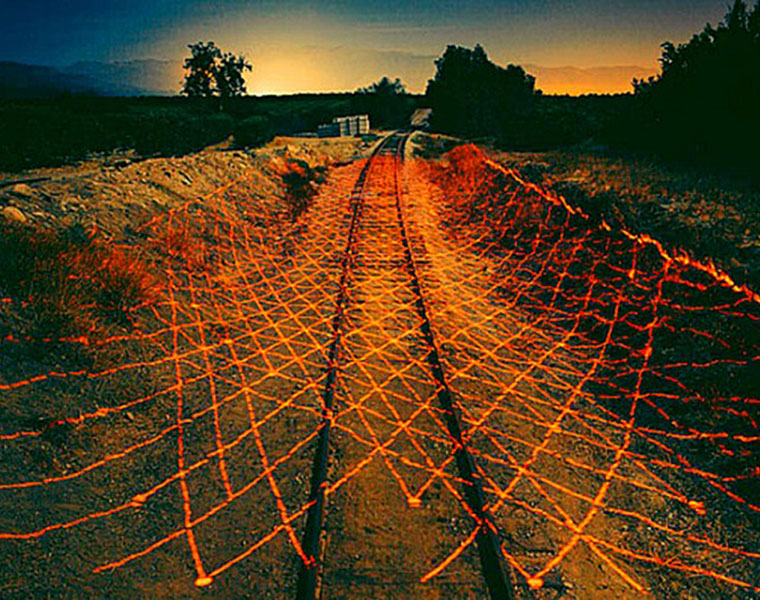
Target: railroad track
(307, 577)
(456, 355)
(496, 578)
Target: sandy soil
(172, 460)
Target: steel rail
(309, 570)
(487, 541)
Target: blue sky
(551, 33)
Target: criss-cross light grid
(606, 383)
(603, 386)
(236, 349)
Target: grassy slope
(708, 215)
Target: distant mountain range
(576, 81)
(123, 78)
(133, 77)
(274, 73)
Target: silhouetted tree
(201, 67)
(229, 75)
(386, 102)
(213, 73)
(472, 96)
(705, 103)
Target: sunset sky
(310, 45)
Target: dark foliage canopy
(211, 72)
(472, 96)
(385, 88)
(386, 101)
(705, 103)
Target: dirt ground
(124, 190)
(170, 457)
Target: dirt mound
(117, 193)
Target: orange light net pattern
(604, 385)
(610, 394)
(229, 402)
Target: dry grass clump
(185, 244)
(301, 181)
(62, 283)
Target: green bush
(253, 131)
(60, 131)
(174, 132)
(56, 131)
(218, 127)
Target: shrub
(301, 181)
(169, 132)
(253, 131)
(68, 282)
(54, 132)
